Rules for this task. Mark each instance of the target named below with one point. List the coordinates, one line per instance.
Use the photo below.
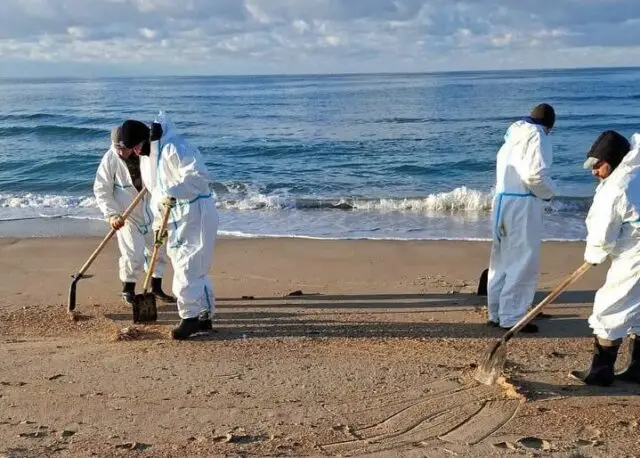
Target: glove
(169, 201)
(594, 256)
(116, 222)
(160, 238)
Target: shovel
(71, 303)
(493, 362)
(144, 305)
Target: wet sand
(374, 358)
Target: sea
(358, 156)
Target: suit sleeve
(103, 187)
(604, 223)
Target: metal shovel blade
(71, 302)
(490, 370)
(144, 308)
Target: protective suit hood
(629, 163)
(525, 127)
(632, 158)
(168, 128)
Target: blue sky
(191, 37)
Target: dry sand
(374, 359)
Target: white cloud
(300, 26)
(333, 40)
(236, 36)
(148, 33)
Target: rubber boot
(482, 284)
(186, 328)
(601, 372)
(528, 328)
(129, 292)
(156, 289)
(204, 320)
(632, 372)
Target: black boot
(632, 372)
(204, 320)
(186, 328)
(129, 292)
(528, 328)
(156, 289)
(604, 358)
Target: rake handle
(125, 215)
(550, 298)
(156, 250)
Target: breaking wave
(238, 196)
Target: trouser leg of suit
(131, 243)
(616, 308)
(161, 262)
(495, 279)
(190, 248)
(520, 257)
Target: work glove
(116, 222)
(169, 201)
(594, 256)
(160, 238)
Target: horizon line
(302, 74)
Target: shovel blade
(490, 369)
(144, 308)
(71, 302)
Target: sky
(196, 37)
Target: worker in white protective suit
(116, 184)
(175, 173)
(522, 185)
(613, 231)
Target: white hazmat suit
(522, 184)
(176, 169)
(114, 192)
(613, 230)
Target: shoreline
(65, 228)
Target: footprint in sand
(451, 410)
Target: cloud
(238, 36)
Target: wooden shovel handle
(125, 215)
(550, 297)
(156, 249)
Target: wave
(417, 120)
(249, 235)
(596, 98)
(55, 131)
(31, 200)
(239, 196)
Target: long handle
(125, 215)
(552, 296)
(156, 250)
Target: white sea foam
(461, 200)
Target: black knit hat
(610, 147)
(545, 114)
(134, 132)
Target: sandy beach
(374, 358)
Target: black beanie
(134, 132)
(545, 114)
(610, 147)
